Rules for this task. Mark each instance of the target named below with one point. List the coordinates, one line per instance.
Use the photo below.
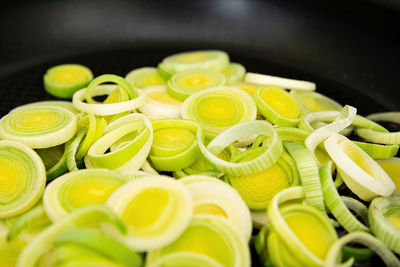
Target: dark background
(342, 45)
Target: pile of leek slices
(192, 163)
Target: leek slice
(277, 106)
(54, 159)
(279, 81)
(38, 127)
(392, 168)
(186, 83)
(234, 73)
(219, 199)
(128, 155)
(69, 253)
(335, 203)
(85, 216)
(105, 109)
(383, 216)
(216, 109)
(258, 189)
(159, 104)
(183, 259)
(155, 209)
(377, 151)
(377, 246)
(312, 101)
(296, 223)
(71, 147)
(206, 59)
(213, 237)
(249, 88)
(64, 80)
(309, 176)
(144, 77)
(104, 245)
(78, 189)
(359, 171)
(22, 178)
(223, 140)
(174, 144)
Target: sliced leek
(78, 189)
(216, 109)
(392, 168)
(383, 216)
(279, 81)
(54, 159)
(219, 199)
(213, 237)
(359, 171)
(39, 127)
(155, 209)
(89, 215)
(144, 77)
(223, 140)
(174, 144)
(64, 80)
(312, 101)
(186, 83)
(207, 59)
(277, 106)
(377, 151)
(159, 104)
(234, 73)
(22, 178)
(128, 155)
(249, 88)
(335, 204)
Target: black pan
(351, 50)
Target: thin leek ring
(377, 151)
(62, 128)
(31, 171)
(135, 77)
(219, 143)
(279, 81)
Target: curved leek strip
(249, 88)
(305, 231)
(39, 127)
(100, 243)
(22, 178)
(292, 134)
(128, 155)
(213, 237)
(159, 104)
(32, 221)
(277, 106)
(259, 188)
(365, 239)
(335, 204)
(88, 215)
(259, 219)
(144, 77)
(309, 176)
(105, 109)
(52, 103)
(392, 168)
(71, 253)
(392, 138)
(89, 137)
(312, 101)
(146, 167)
(377, 151)
(359, 171)
(71, 147)
(234, 73)
(223, 140)
(174, 144)
(279, 81)
(186, 83)
(216, 109)
(64, 80)
(383, 216)
(385, 116)
(341, 122)
(54, 159)
(155, 209)
(219, 199)
(357, 207)
(78, 189)
(207, 59)
(182, 259)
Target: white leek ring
(279, 81)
